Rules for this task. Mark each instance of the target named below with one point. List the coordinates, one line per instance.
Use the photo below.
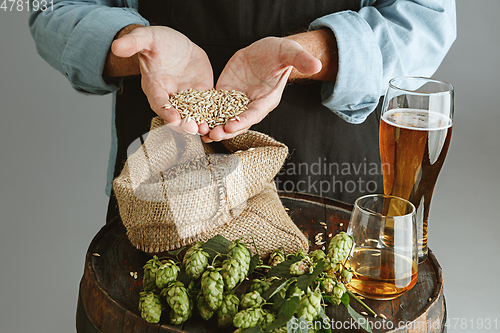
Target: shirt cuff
(85, 53)
(357, 88)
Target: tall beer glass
(415, 131)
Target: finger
(189, 126)
(293, 54)
(138, 40)
(203, 128)
(218, 133)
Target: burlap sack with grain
(175, 190)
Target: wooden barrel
(112, 280)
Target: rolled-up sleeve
(393, 38)
(75, 37)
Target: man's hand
(169, 62)
(261, 71)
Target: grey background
(54, 152)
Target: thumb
(303, 61)
(136, 41)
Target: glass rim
(450, 90)
(356, 204)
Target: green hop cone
(317, 255)
(281, 329)
(241, 254)
(301, 267)
(196, 261)
(251, 299)
(177, 297)
(293, 290)
(231, 273)
(339, 290)
(259, 285)
(205, 312)
(267, 319)
(339, 248)
(227, 310)
(150, 306)
(150, 269)
(212, 286)
(329, 284)
(276, 257)
(177, 319)
(309, 306)
(166, 273)
(248, 318)
(346, 276)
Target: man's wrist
(322, 45)
(117, 66)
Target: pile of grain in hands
(216, 107)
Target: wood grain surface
(110, 294)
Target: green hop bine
(212, 286)
(248, 318)
(150, 269)
(240, 253)
(267, 319)
(339, 248)
(196, 261)
(231, 273)
(251, 299)
(205, 312)
(309, 306)
(177, 297)
(301, 267)
(150, 306)
(166, 273)
(259, 285)
(276, 257)
(227, 310)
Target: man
(346, 50)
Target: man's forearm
(118, 66)
(323, 45)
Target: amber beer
(413, 146)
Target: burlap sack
(175, 190)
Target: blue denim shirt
(385, 39)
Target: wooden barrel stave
(110, 295)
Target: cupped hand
(169, 63)
(261, 71)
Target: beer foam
(415, 119)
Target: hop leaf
(150, 306)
